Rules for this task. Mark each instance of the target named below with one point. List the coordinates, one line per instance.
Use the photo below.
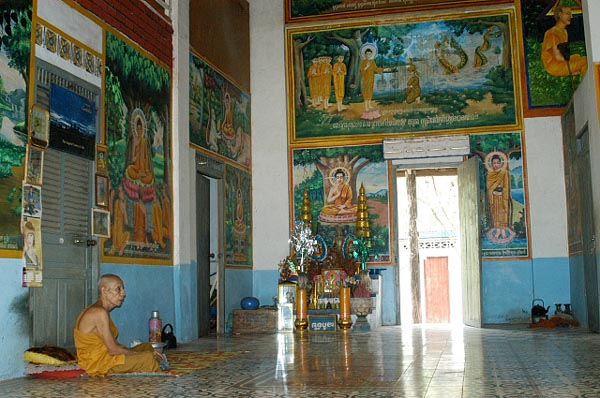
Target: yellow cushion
(49, 355)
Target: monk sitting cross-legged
(98, 351)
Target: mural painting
(138, 139)
(555, 53)
(333, 176)
(299, 10)
(238, 217)
(504, 224)
(413, 76)
(219, 114)
(15, 47)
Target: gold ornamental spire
(362, 217)
(306, 215)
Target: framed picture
(304, 10)
(35, 161)
(39, 126)
(101, 159)
(285, 317)
(101, 191)
(286, 294)
(100, 223)
(332, 280)
(31, 201)
(404, 75)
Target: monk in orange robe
(98, 351)
(120, 236)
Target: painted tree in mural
(329, 160)
(138, 83)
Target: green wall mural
(238, 217)
(138, 138)
(15, 49)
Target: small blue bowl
(249, 303)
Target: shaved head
(107, 281)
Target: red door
(437, 292)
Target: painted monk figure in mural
(140, 164)
(413, 85)
(368, 69)
(339, 77)
(498, 191)
(98, 351)
(119, 235)
(139, 223)
(557, 62)
(340, 196)
(158, 231)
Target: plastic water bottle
(155, 328)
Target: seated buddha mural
(339, 207)
(138, 177)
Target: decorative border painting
(364, 80)
(504, 215)
(551, 83)
(304, 10)
(238, 217)
(138, 138)
(14, 62)
(219, 114)
(316, 169)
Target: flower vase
(301, 310)
(345, 320)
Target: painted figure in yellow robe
(498, 191)
(339, 77)
(368, 69)
(119, 235)
(158, 230)
(413, 85)
(139, 223)
(167, 211)
(313, 82)
(140, 163)
(555, 62)
(227, 128)
(339, 198)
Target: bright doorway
(433, 294)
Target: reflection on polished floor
(415, 361)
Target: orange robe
(119, 235)
(93, 356)
(576, 65)
(139, 222)
(158, 231)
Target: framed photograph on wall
(35, 162)
(101, 191)
(101, 159)
(100, 223)
(39, 126)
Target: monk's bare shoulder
(92, 317)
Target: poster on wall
(32, 252)
(410, 75)
(14, 63)
(238, 217)
(219, 113)
(332, 177)
(138, 141)
(504, 218)
(555, 53)
(302, 10)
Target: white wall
(269, 135)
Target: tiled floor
(419, 361)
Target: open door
(470, 242)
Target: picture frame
(31, 201)
(34, 165)
(285, 317)
(303, 10)
(421, 79)
(286, 294)
(101, 159)
(332, 280)
(39, 126)
(100, 223)
(101, 191)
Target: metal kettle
(538, 311)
